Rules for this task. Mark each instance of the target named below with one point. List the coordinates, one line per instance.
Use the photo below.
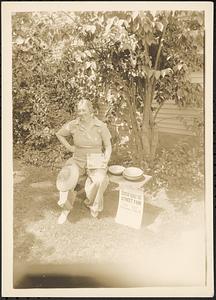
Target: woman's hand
(106, 160)
(64, 142)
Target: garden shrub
(179, 169)
(52, 72)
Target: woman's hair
(87, 103)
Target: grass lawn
(165, 243)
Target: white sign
(130, 207)
(95, 161)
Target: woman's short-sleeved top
(93, 137)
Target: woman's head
(84, 108)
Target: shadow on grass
(80, 211)
(30, 206)
(24, 246)
(38, 208)
(150, 213)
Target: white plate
(116, 169)
(133, 172)
(133, 178)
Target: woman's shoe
(94, 213)
(61, 203)
(87, 203)
(63, 217)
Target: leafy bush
(41, 102)
(179, 169)
(57, 62)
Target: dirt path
(168, 249)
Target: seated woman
(90, 136)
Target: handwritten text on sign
(130, 208)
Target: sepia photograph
(107, 118)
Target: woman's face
(83, 111)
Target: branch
(67, 14)
(158, 109)
(159, 52)
(147, 50)
(161, 41)
(160, 46)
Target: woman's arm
(108, 151)
(61, 136)
(106, 137)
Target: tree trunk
(146, 129)
(146, 137)
(135, 130)
(149, 128)
(154, 141)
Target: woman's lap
(69, 175)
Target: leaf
(90, 28)
(145, 70)
(128, 18)
(159, 26)
(179, 66)
(83, 55)
(136, 26)
(19, 40)
(133, 74)
(179, 93)
(135, 14)
(78, 57)
(157, 74)
(43, 45)
(133, 62)
(88, 53)
(166, 71)
(147, 28)
(126, 46)
(109, 25)
(200, 20)
(150, 73)
(153, 12)
(93, 29)
(27, 40)
(88, 64)
(149, 40)
(120, 22)
(93, 65)
(126, 24)
(163, 73)
(194, 33)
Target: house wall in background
(172, 119)
(175, 120)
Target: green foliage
(180, 169)
(39, 105)
(42, 95)
(141, 57)
(60, 58)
